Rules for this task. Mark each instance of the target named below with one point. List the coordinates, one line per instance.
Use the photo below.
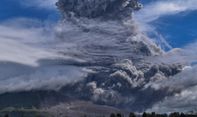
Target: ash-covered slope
(103, 36)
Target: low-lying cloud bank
(20, 39)
(184, 86)
(29, 60)
(25, 78)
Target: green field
(22, 112)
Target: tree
(153, 114)
(182, 115)
(6, 115)
(132, 115)
(112, 115)
(118, 115)
(144, 114)
(175, 114)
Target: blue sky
(178, 29)
(175, 20)
(16, 9)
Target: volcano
(108, 53)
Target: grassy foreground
(22, 112)
(33, 112)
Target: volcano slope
(114, 53)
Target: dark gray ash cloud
(99, 54)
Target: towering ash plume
(101, 36)
(108, 40)
(101, 8)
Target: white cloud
(186, 55)
(184, 89)
(157, 9)
(50, 77)
(20, 41)
(29, 60)
(45, 4)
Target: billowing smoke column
(98, 8)
(104, 30)
(115, 50)
(100, 36)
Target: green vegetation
(33, 112)
(153, 114)
(22, 112)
